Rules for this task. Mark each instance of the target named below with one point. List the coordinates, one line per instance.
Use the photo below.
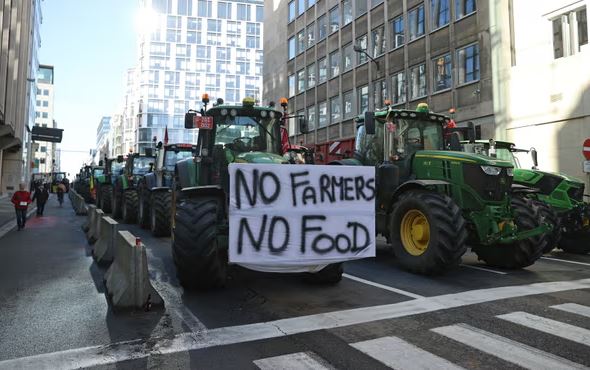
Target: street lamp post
(359, 49)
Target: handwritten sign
(296, 216)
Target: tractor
(125, 198)
(113, 168)
(431, 203)
(155, 195)
(56, 179)
(227, 134)
(560, 197)
(86, 182)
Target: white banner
(300, 217)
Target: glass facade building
(188, 48)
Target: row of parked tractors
(439, 190)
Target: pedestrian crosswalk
(397, 353)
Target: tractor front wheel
(130, 201)
(144, 208)
(161, 205)
(521, 253)
(548, 215)
(200, 261)
(117, 202)
(106, 193)
(427, 232)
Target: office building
(19, 43)
(103, 142)
(44, 152)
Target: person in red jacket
(21, 200)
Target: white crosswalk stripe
(557, 328)
(505, 349)
(578, 309)
(399, 354)
(293, 361)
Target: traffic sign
(586, 149)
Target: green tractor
(432, 203)
(560, 197)
(227, 134)
(113, 168)
(86, 183)
(155, 194)
(125, 197)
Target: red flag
(166, 136)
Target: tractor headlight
(491, 170)
(271, 114)
(263, 113)
(233, 112)
(510, 172)
(224, 112)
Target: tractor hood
(526, 175)
(463, 157)
(259, 157)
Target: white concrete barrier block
(104, 249)
(89, 220)
(127, 280)
(94, 230)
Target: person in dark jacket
(21, 200)
(41, 194)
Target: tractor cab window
(98, 171)
(141, 165)
(116, 168)
(410, 136)
(243, 134)
(369, 147)
(173, 156)
(507, 155)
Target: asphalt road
(54, 313)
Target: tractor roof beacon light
(248, 102)
(205, 100)
(422, 108)
(387, 102)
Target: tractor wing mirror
(370, 123)
(471, 132)
(188, 119)
(455, 142)
(535, 158)
(120, 159)
(303, 126)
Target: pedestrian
(61, 189)
(41, 194)
(21, 200)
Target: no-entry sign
(586, 149)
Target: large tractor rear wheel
(117, 202)
(161, 205)
(577, 242)
(143, 213)
(521, 253)
(130, 201)
(200, 261)
(106, 193)
(427, 232)
(548, 215)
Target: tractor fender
(202, 191)
(413, 185)
(159, 189)
(150, 180)
(185, 173)
(346, 162)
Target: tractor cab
(136, 166)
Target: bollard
(127, 280)
(103, 251)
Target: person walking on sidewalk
(21, 200)
(41, 194)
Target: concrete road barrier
(104, 249)
(127, 280)
(79, 205)
(94, 226)
(89, 219)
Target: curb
(9, 226)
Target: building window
(292, 10)
(323, 114)
(300, 7)
(334, 19)
(347, 102)
(291, 80)
(37, 114)
(310, 3)
(311, 75)
(361, 7)
(398, 87)
(322, 71)
(346, 12)
(310, 35)
(347, 57)
(374, 3)
(464, 7)
(334, 64)
(45, 92)
(322, 28)
(397, 26)
(418, 81)
(361, 57)
(300, 81)
(335, 112)
(301, 44)
(379, 94)
(440, 13)
(379, 42)
(570, 32)
(468, 64)
(45, 115)
(45, 103)
(311, 118)
(260, 14)
(363, 95)
(243, 12)
(292, 48)
(223, 10)
(204, 8)
(441, 67)
(416, 22)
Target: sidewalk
(7, 215)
